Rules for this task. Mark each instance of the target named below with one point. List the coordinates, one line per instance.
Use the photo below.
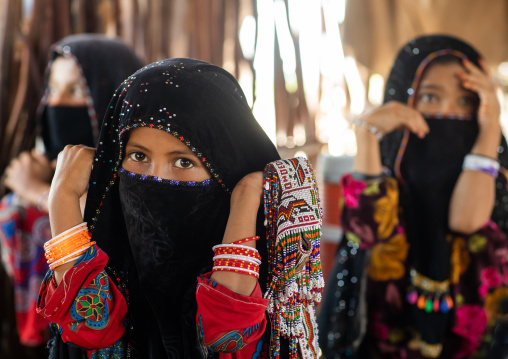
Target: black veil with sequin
(203, 106)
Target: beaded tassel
(428, 294)
(293, 228)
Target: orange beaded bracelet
(68, 245)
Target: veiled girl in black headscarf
(175, 173)
(82, 74)
(421, 272)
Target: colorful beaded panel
(166, 181)
(293, 219)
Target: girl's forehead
(64, 70)
(441, 72)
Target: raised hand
(395, 115)
(72, 171)
(29, 176)
(480, 81)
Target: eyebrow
(430, 87)
(187, 151)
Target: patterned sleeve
(87, 307)
(230, 322)
(479, 275)
(370, 210)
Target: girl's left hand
(248, 191)
(480, 81)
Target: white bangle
(372, 129)
(481, 163)
(234, 245)
(238, 257)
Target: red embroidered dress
(90, 312)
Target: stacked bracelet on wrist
(236, 257)
(481, 164)
(372, 129)
(68, 245)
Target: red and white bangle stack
(68, 245)
(236, 257)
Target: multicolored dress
(23, 231)
(374, 280)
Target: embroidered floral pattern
(459, 259)
(385, 210)
(476, 243)
(496, 304)
(470, 323)
(491, 278)
(362, 231)
(387, 259)
(228, 343)
(352, 190)
(116, 351)
(90, 306)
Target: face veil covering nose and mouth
(171, 229)
(67, 125)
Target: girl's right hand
(73, 169)
(395, 115)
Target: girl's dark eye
(467, 101)
(184, 163)
(138, 157)
(428, 97)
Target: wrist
(247, 194)
(36, 194)
(490, 128)
(246, 207)
(61, 198)
(488, 140)
(364, 127)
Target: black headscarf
(104, 63)
(427, 169)
(172, 226)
